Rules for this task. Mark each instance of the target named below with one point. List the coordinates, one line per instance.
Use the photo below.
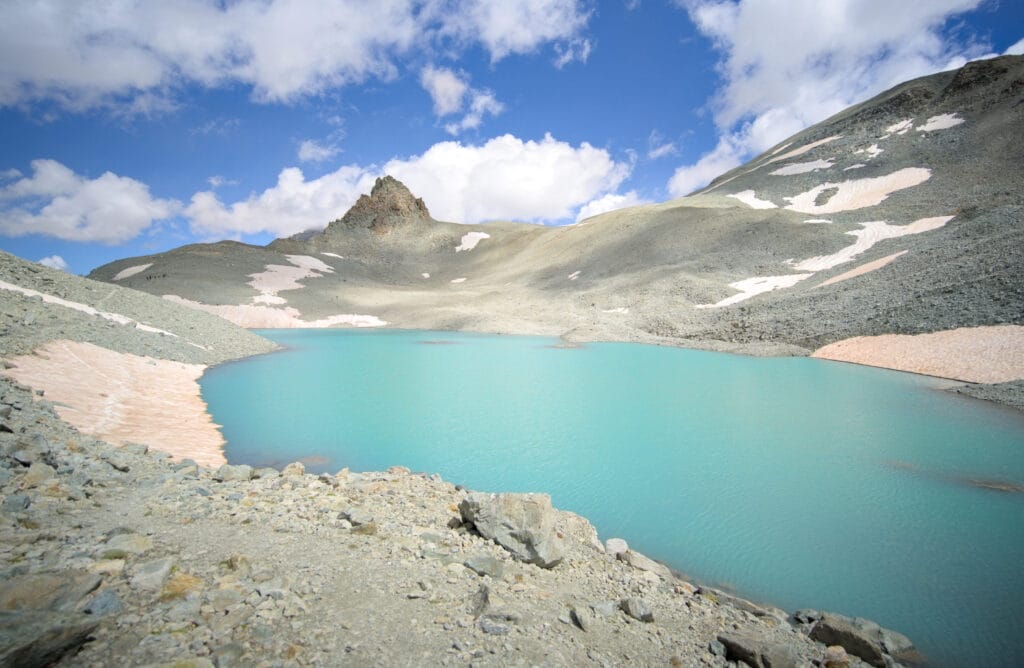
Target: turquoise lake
(791, 481)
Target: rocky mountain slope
(901, 215)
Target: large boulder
(524, 524)
(861, 637)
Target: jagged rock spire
(390, 205)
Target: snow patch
(804, 149)
(940, 122)
(470, 240)
(131, 271)
(574, 275)
(859, 165)
(857, 193)
(340, 257)
(622, 309)
(869, 235)
(425, 275)
(818, 221)
(873, 151)
(252, 316)
(749, 197)
(802, 167)
(865, 268)
(901, 128)
(751, 287)
(459, 280)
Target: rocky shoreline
(122, 553)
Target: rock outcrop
(389, 206)
(523, 524)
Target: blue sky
(132, 127)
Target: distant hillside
(901, 215)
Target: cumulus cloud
(446, 88)
(609, 202)
(450, 90)
(56, 202)
(313, 151)
(509, 179)
(292, 205)
(505, 27)
(54, 262)
(506, 178)
(1016, 49)
(84, 54)
(835, 54)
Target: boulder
(860, 637)
(637, 608)
(229, 473)
(524, 524)
(644, 563)
(615, 546)
(757, 651)
(47, 591)
(42, 638)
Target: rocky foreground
(119, 555)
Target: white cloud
(55, 201)
(1017, 49)
(54, 262)
(483, 102)
(659, 147)
(216, 181)
(509, 179)
(446, 88)
(505, 27)
(835, 54)
(292, 205)
(609, 202)
(574, 50)
(449, 90)
(313, 151)
(85, 54)
(506, 178)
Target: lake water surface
(793, 481)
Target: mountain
(901, 215)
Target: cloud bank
(84, 54)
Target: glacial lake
(792, 481)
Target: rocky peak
(390, 205)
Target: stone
(605, 608)
(742, 647)
(15, 503)
(117, 460)
(615, 546)
(106, 602)
(229, 473)
(637, 608)
(716, 648)
(643, 563)
(492, 627)
(356, 516)
(524, 524)
(128, 543)
(835, 657)
(151, 575)
(582, 617)
(228, 654)
(484, 565)
(860, 637)
(37, 473)
(38, 638)
(294, 469)
(47, 591)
